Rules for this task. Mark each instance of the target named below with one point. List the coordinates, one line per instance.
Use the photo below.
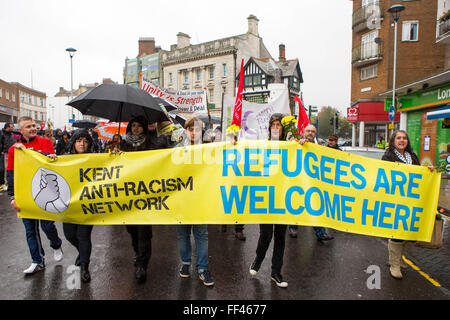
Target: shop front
(428, 123)
(370, 122)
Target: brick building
(17, 100)
(418, 56)
(9, 103)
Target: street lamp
(395, 12)
(71, 52)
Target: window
(366, 3)
(170, 77)
(410, 31)
(211, 72)
(13, 95)
(369, 72)
(369, 48)
(7, 94)
(1, 92)
(186, 77)
(224, 69)
(211, 95)
(198, 74)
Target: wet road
(336, 270)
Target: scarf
(406, 159)
(135, 141)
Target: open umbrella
(120, 102)
(87, 124)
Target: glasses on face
(332, 139)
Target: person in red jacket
(30, 140)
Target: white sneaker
(58, 254)
(35, 267)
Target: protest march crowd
(141, 136)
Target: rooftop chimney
(183, 40)
(253, 25)
(146, 46)
(282, 56)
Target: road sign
(391, 113)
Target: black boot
(140, 274)
(77, 261)
(84, 272)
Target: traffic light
(337, 121)
(332, 121)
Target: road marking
(434, 282)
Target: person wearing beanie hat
(141, 235)
(266, 231)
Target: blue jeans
(34, 237)
(320, 231)
(200, 232)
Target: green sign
(422, 99)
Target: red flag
(302, 120)
(42, 125)
(64, 127)
(238, 104)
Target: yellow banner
(254, 182)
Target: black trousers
(266, 231)
(2, 169)
(80, 237)
(141, 240)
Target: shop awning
(440, 113)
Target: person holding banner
(309, 135)
(400, 150)
(194, 127)
(30, 140)
(141, 235)
(267, 231)
(79, 235)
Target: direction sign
(391, 113)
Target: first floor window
(369, 72)
(410, 31)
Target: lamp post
(395, 12)
(71, 52)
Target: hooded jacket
(80, 133)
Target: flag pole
(207, 108)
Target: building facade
(17, 100)
(261, 73)
(9, 102)
(424, 104)
(213, 65)
(418, 56)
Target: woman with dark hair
(77, 234)
(266, 231)
(141, 235)
(61, 144)
(399, 150)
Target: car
(374, 153)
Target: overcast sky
(35, 34)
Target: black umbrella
(120, 102)
(87, 124)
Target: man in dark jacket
(6, 141)
(332, 141)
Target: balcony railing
(444, 27)
(366, 54)
(361, 15)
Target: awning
(440, 113)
